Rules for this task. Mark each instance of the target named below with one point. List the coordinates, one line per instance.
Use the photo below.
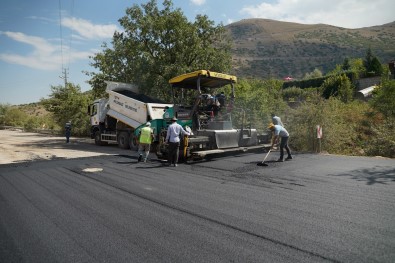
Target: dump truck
(115, 119)
(201, 107)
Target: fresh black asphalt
(315, 208)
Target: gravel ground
(17, 146)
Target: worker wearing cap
(145, 139)
(277, 120)
(280, 132)
(67, 129)
(173, 138)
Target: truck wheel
(123, 140)
(98, 139)
(134, 146)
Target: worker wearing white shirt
(173, 138)
(280, 132)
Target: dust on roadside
(17, 146)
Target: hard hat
(271, 126)
(148, 124)
(174, 118)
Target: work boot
(175, 165)
(280, 160)
(140, 157)
(289, 158)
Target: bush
(339, 122)
(378, 135)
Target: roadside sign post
(319, 136)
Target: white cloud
(44, 19)
(198, 2)
(342, 13)
(48, 56)
(88, 30)
(45, 56)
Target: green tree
(357, 65)
(353, 66)
(158, 44)
(13, 116)
(69, 103)
(3, 112)
(316, 73)
(384, 98)
(338, 86)
(345, 89)
(372, 64)
(346, 64)
(256, 99)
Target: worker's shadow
(150, 164)
(149, 167)
(131, 159)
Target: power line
(60, 30)
(71, 32)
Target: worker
(277, 120)
(280, 131)
(213, 105)
(146, 137)
(173, 138)
(67, 129)
(221, 99)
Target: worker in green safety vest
(145, 139)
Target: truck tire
(98, 139)
(134, 145)
(123, 140)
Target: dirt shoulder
(17, 146)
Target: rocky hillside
(268, 48)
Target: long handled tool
(264, 159)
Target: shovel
(263, 162)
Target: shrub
(339, 122)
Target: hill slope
(269, 48)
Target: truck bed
(140, 97)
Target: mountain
(265, 48)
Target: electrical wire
(65, 70)
(60, 30)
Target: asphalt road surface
(315, 208)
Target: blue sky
(41, 38)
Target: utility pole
(64, 76)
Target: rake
(264, 159)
